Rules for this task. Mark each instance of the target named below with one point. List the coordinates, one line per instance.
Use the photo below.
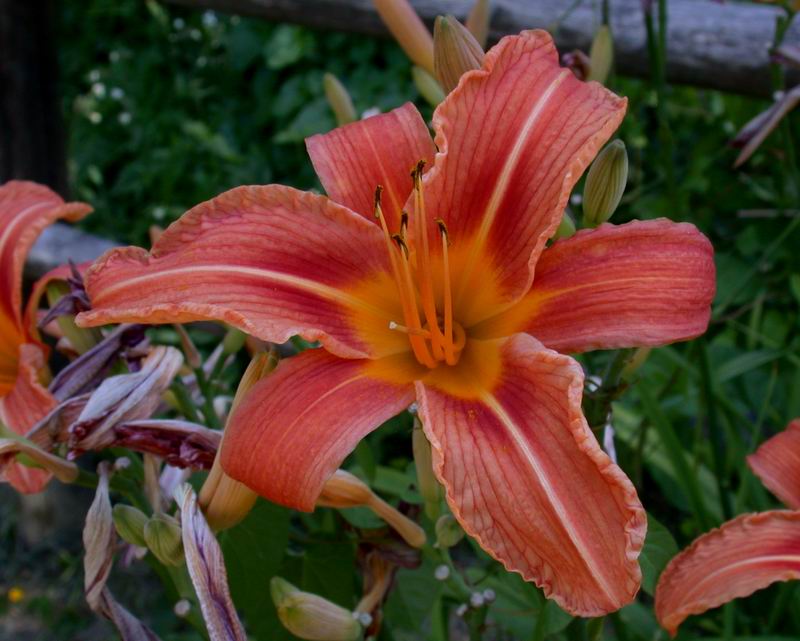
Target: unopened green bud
(130, 523)
(163, 537)
(280, 589)
(601, 55)
(605, 184)
(427, 86)
(566, 227)
(455, 51)
(309, 616)
(426, 481)
(448, 531)
(339, 100)
(233, 341)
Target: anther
(443, 229)
(377, 206)
(416, 173)
(401, 242)
(403, 223)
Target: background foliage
(168, 107)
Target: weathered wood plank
(60, 243)
(714, 45)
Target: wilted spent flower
(448, 531)
(578, 63)
(130, 523)
(605, 184)
(162, 534)
(455, 51)
(309, 616)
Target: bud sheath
(455, 51)
(605, 184)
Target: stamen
(405, 287)
(401, 243)
(449, 348)
(424, 264)
(409, 330)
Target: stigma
(433, 334)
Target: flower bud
(309, 616)
(428, 87)
(478, 22)
(162, 533)
(455, 51)
(130, 523)
(426, 481)
(566, 227)
(233, 341)
(409, 31)
(448, 531)
(605, 184)
(225, 501)
(339, 100)
(601, 55)
(344, 490)
(190, 351)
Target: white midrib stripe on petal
(504, 178)
(562, 513)
(314, 287)
(698, 587)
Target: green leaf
(253, 552)
(412, 599)
(287, 46)
(745, 362)
(659, 548)
(328, 569)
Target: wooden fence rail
(710, 44)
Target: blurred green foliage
(167, 107)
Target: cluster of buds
(441, 60)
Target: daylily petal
(644, 283)
(351, 161)
(744, 555)
(526, 477)
(29, 400)
(513, 139)
(26, 208)
(272, 261)
(26, 403)
(295, 427)
(777, 464)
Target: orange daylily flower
(432, 297)
(26, 208)
(745, 554)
